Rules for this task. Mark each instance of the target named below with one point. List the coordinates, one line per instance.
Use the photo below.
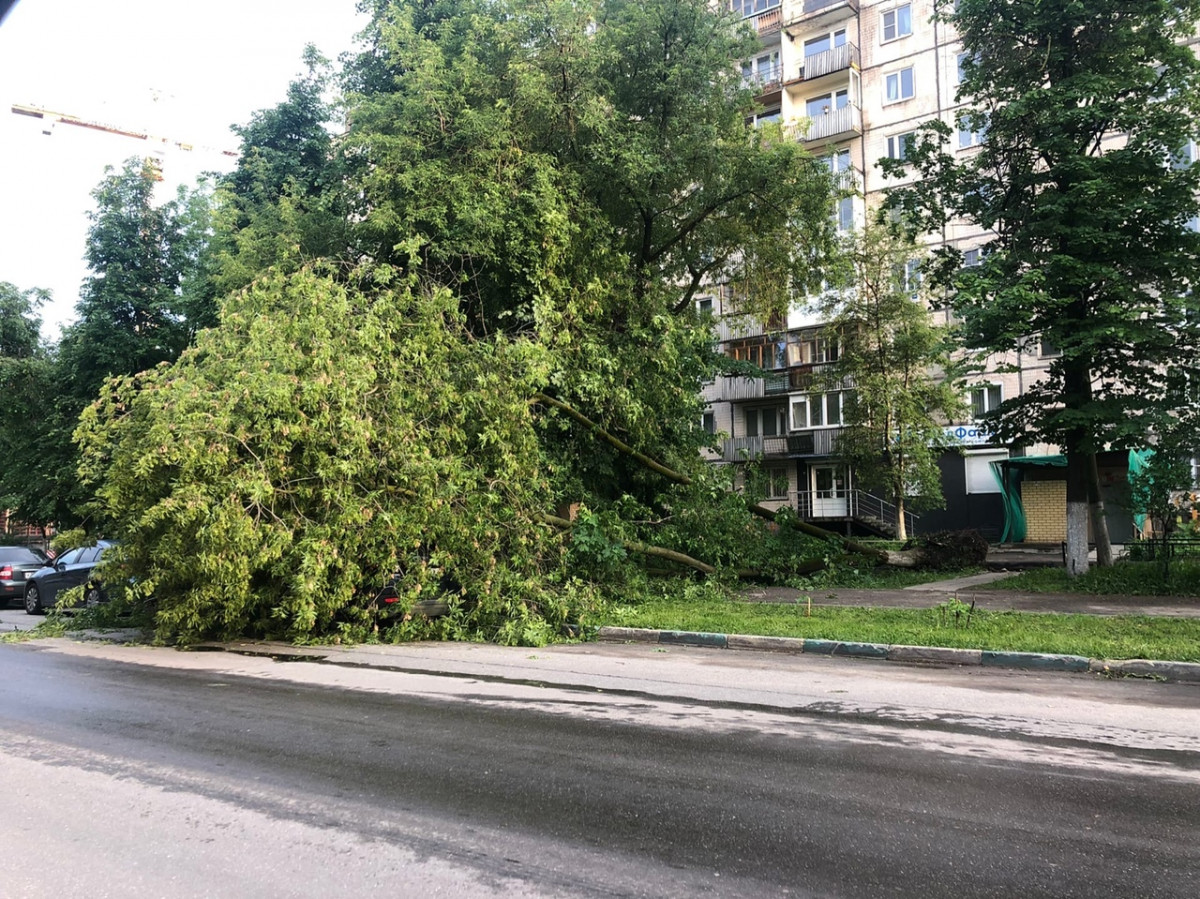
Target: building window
(845, 215)
(809, 349)
(979, 475)
(973, 257)
(767, 116)
(818, 410)
(897, 22)
(762, 71)
(768, 422)
(985, 399)
(824, 43)
(752, 7)
(776, 483)
(1047, 348)
(815, 107)
(708, 422)
(704, 305)
(909, 277)
(898, 86)
(898, 145)
(971, 130)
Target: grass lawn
(1107, 637)
(1128, 578)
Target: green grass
(1125, 578)
(1108, 637)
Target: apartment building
(856, 78)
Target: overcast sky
(181, 70)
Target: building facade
(854, 79)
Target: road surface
(585, 771)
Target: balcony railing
(769, 22)
(764, 80)
(837, 59)
(855, 504)
(837, 124)
(797, 445)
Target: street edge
(1186, 672)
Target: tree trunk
(1104, 554)
(901, 529)
(1077, 513)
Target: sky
(181, 70)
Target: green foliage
(27, 384)
(324, 436)
(1092, 251)
(526, 200)
(283, 204)
(907, 384)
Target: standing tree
(28, 386)
(282, 205)
(1086, 109)
(900, 366)
(133, 314)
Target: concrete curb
(1184, 672)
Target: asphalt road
(587, 771)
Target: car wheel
(93, 596)
(33, 600)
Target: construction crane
(158, 144)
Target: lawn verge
(947, 625)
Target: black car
(16, 564)
(68, 570)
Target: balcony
(810, 13)
(797, 445)
(833, 126)
(765, 81)
(742, 449)
(825, 63)
(769, 22)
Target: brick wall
(1045, 511)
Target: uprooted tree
(533, 195)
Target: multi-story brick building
(855, 78)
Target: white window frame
(898, 145)
(822, 402)
(977, 471)
(986, 392)
(750, 8)
(897, 78)
(892, 20)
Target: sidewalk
(967, 589)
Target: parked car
(68, 570)
(16, 564)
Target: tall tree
(900, 365)
(576, 170)
(130, 309)
(1086, 109)
(283, 204)
(28, 386)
